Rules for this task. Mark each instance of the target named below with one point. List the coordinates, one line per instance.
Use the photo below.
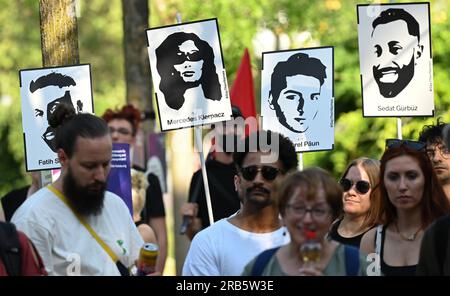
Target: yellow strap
(85, 224)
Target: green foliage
(100, 34)
(19, 49)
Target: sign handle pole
(199, 145)
(300, 161)
(399, 128)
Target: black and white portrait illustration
(186, 63)
(297, 96)
(188, 74)
(41, 91)
(395, 60)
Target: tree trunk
(59, 42)
(137, 67)
(137, 70)
(59, 33)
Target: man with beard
(438, 153)
(77, 227)
(225, 247)
(220, 170)
(395, 57)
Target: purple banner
(119, 179)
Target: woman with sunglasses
(186, 65)
(360, 176)
(410, 200)
(308, 202)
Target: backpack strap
(441, 240)
(351, 260)
(262, 260)
(10, 248)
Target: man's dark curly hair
(432, 133)
(285, 149)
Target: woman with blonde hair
(139, 185)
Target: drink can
(147, 259)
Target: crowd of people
(382, 217)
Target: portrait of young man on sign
(297, 96)
(188, 74)
(395, 60)
(41, 91)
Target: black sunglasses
(415, 145)
(361, 186)
(182, 57)
(269, 173)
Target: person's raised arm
(193, 225)
(158, 225)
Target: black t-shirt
(13, 200)
(224, 198)
(154, 204)
(352, 241)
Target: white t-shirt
(65, 245)
(224, 249)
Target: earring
(284, 231)
(271, 106)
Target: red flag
(242, 93)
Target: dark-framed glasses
(120, 130)
(415, 145)
(269, 173)
(444, 151)
(361, 186)
(317, 213)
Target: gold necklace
(408, 238)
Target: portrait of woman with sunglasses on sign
(360, 176)
(186, 66)
(308, 202)
(410, 199)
